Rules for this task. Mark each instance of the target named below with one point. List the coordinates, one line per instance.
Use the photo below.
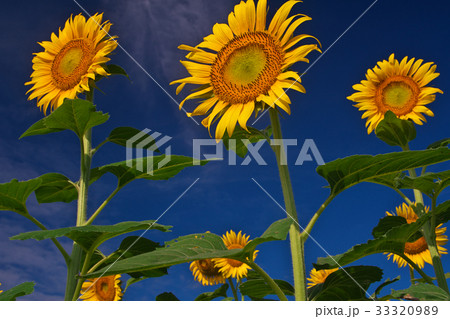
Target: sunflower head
(319, 276)
(418, 250)
(400, 87)
(243, 64)
(73, 57)
(206, 272)
(231, 267)
(102, 289)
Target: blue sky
(225, 197)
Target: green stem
(54, 240)
(83, 185)
(233, 289)
(309, 227)
(105, 259)
(405, 198)
(411, 275)
(98, 211)
(297, 247)
(430, 236)
(84, 270)
(416, 268)
(268, 279)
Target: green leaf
(394, 131)
(393, 241)
(241, 138)
(208, 296)
(190, 248)
(431, 184)
(277, 231)
(13, 195)
(346, 284)
(346, 172)
(166, 296)
(389, 222)
(55, 188)
(92, 235)
(421, 292)
(75, 115)
(115, 70)
(121, 135)
(440, 143)
(24, 289)
(135, 245)
(384, 284)
(442, 212)
(146, 168)
(132, 281)
(258, 288)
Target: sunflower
(230, 267)
(102, 289)
(396, 86)
(70, 59)
(418, 250)
(243, 62)
(319, 276)
(206, 272)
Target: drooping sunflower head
(400, 87)
(206, 272)
(69, 60)
(243, 63)
(231, 267)
(102, 289)
(418, 250)
(319, 276)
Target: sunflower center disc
(398, 94)
(420, 245)
(105, 289)
(246, 67)
(71, 63)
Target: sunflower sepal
(76, 115)
(241, 138)
(394, 131)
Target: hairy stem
(309, 227)
(233, 289)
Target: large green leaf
(346, 172)
(241, 138)
(56, 188)
(394, 131)
(259, 288)
(393, 241)
(440, 143)
(24, 289)
(146, 168)
(13, 195)
(166, 296)
(122, 135)
(346, 284)
(192, 247)
(422, 292)
(442, 212)
(75, 115)
(389, 222)
(92, 235)
(208, 296)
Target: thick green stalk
(83, 185)
(268, 279)
(298, 259)
(429, 233)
